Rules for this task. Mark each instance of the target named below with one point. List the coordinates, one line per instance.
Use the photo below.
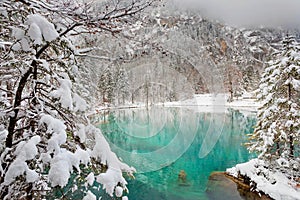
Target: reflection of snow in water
(182, 122)
(212, 134)
(141, 124)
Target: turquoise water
(161, 142)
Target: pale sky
(272, 13)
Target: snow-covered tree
(45, 136)
(106, 85)
(277, 133)
(122, 84)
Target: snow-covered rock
(273, 183)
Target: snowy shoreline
(274, 184)
(216, 103)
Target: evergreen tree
(122, 84)
(107, 85)
(276, 136)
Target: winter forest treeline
(60, 59)
(204, 56)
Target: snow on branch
(64, 93)
(25, 151)
(40, 28)
(113, 176)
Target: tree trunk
(18, 98)
(132, 98)
(9, 87)
(291, 146)
(291, 139)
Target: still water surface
(162, 142)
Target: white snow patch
(3, 135)
(81, 133)
(59, 172)
(53, 124)
(35, 33)
(24, 151)
(80, 103)
(63, 93)
(89, 196)
(62, 165)
(17, 168)
(55, 141)
(44, 64)
(217, 103)
(25, 44)
(119, 191)
(40, 26)
(58, 128)
(82, 155)
(110, 179)
(28, 150)
(18, 33)
(101, 151)
(31, 176)
(296, 84)
(3, 12)
(45, 158)
(90, 179)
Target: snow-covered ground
(275, 184)
(217, 103)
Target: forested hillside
(203, 56)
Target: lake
(174, 150)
